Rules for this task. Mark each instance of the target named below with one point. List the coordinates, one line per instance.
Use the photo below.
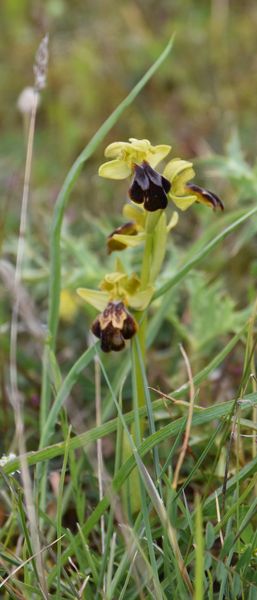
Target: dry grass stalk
(15, 396)
(189, 420)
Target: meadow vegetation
(132, 473)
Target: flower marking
(113, 326)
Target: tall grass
(195, 533)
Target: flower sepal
(118, 287)
(96, 298)
(184, 193)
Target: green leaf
(244, 559)
(229, 541)
(209, 535)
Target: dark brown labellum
(113, 326)
(149, 188)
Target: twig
(15, 396)
(99, 441)
(189, 420)
(218, 517)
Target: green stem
(137, 369)
(151, 223)
(146, 264)
(138, 391)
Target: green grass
(110, 523)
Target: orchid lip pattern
(149, 188)
(113, 326)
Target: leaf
(209, 535)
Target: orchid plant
(149, 193)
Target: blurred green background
(202, 102)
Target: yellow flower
(134, 232)
(139, 157)
(182, 193)
(118, 286)
(127, 154)
(115, 324)
(124, 236)
(130, 234)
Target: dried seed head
(41, 64)
(27, 99)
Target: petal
(96, 328)
(173, 221)
(175, 167)
(205, 196)
(97, 299)
(106, 338)
(115, 277)
(117, 341)
(135, 213)
(127, 229)
(129, 328)
(141, 176)
(158, 153)
(116, 148)
(155, 199)
(182, 202)
(153, 175)
(129, 241)
(115, 169)
(140, 300)
(140, 145)
(136, 193)
(132, 284)
(179, 184)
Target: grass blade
(202, 254)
